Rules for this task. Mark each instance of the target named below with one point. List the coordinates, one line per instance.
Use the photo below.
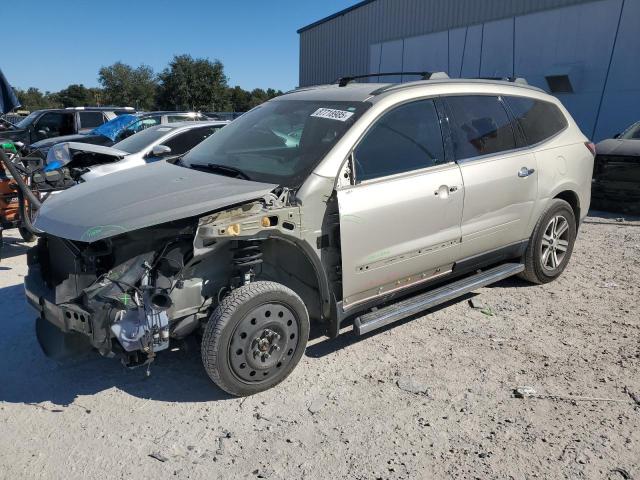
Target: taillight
(592, 147)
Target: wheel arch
(572, 198)
(300, 259)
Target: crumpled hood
(140, 197)
(622, 147)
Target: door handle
(445, 190)
(525, 172)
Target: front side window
(280, 141)
(538, 120)
(404, 139)
(55, 124)
(479, 126)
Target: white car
(86, 161)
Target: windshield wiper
(224, 169)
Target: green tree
(76, 96)
(33, 99)
(242, 100)
(239, 99)
(193, 84)
(126, 86)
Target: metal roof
(337, 14)
(442, 14)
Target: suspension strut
(246, 256)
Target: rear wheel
(551, 243)
(255, 338)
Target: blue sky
(53, 43)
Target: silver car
(349, 204)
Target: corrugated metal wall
(594, 43)
(340, 46)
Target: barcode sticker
(330, 113)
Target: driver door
(400, 216)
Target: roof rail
(344, 81)
(520, 80)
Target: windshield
(632, 133)
(28, 120)
(279, 141)
(143, 139)
(111, 128)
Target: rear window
(480, 126)
(538, 120)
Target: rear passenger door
(400, 215)
(500, 178)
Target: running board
(405, 308)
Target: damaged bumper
(70, 319)
(97, 311)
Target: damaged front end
(129, 294)
(113, 295)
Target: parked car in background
(162, 142)
(616, 173)
(70, 162)
(370, 202)
(118, 129)
(43, 124)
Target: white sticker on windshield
(340, 115)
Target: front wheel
(551, 243)
(255, 338)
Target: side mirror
(160, 151)
(617, 135)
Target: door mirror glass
(161, 151)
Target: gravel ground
(429, 398)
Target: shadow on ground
(27, 376)
(12, 247)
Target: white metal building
(587, 52)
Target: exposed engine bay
(132, 293)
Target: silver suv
(316, 206)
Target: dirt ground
(428, 398)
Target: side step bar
(405, 308)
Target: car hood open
(138, 198)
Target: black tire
(545, 263)
(257, 319)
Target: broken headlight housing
(57, 156)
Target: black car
(616, 173)
(43, 124)
(118, 129)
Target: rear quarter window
(539, 120)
